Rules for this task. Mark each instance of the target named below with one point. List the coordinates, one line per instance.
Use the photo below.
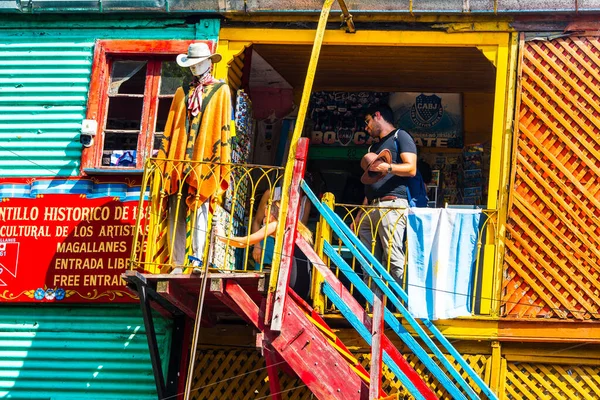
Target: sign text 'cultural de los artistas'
(64, 248)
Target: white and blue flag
(442, 249)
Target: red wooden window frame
(91, 158)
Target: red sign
(65, 248)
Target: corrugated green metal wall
(45, 67)
(83, 352)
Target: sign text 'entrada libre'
(65, 248)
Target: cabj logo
(427, 111)
(345, 136)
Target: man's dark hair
(383, 109)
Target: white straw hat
(197, 52)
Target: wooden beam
(307, 351)
(363, 37)
(178, 297)
(286, 235)
(235, 297)
(271, 360)
(243, 301)
(539, 330)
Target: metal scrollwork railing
(202, 212)
(356, 216)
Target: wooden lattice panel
(242, 374)
(551, 264)
(544, 381)
(239, 374)
(479, 363)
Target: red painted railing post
(377, 328)
(276, 300)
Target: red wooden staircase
(312, 350)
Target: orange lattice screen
(552, 257)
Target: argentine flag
(442, 249)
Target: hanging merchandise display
(231, 218)
(473, 174)
(450, 167)
(338, 118)
(244, 129)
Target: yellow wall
(478, 111)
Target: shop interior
(443, 96)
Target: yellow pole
(508, 149)
(496, 367)
(494, 188)
(323, 234)
(289, 167)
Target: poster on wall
(338, 118)
(65, 248)
(433, 119)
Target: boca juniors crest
(427, 111)
(434, 120)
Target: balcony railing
(182, 231)
(193, 207)
(355, 215)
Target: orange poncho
(204, 138)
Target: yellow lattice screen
(241, 374)
(478, 362)
(236, 71)
(544, 381)
(551, 265)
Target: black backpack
(416, 190)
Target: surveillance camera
(86, 140)
(88, 131)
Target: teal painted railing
(453, 380)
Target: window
(132, 86)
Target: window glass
(120, 141)
(124, 113)
(172, 76)
(158, 137)
(121, 135)
(163, 112)
(127, 77)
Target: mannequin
(197, 129)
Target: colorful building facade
(526, 77)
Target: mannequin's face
(201, 68)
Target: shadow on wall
(77, 352)
(58, 349)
